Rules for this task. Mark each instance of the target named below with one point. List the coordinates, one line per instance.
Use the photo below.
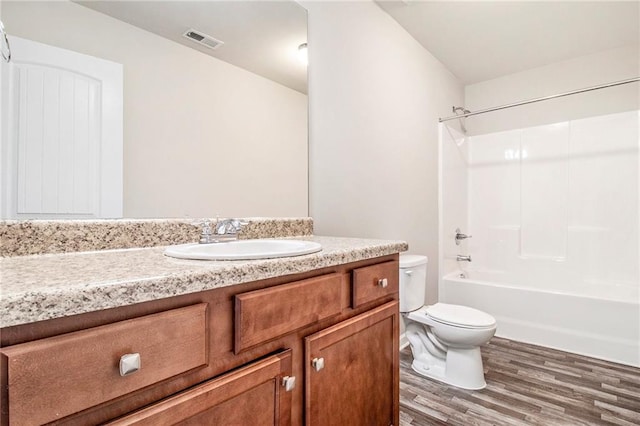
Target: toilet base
(462, 368)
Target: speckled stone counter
(40, 287)
(24, 237)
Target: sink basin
(243, 250)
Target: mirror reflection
(205, 131)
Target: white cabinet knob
(129, 364)
(289, 382)
(382, 282)
(317, 363)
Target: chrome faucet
(229, 227)
(206, 236)
(461, 258)
(460, 236)
(224, 230)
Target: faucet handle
(460, 236)
(206, 232)
(205, 223)
(229, 226)
(222, 226)
(238, 224)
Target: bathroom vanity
(139, 338)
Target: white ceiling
(259, 36)
(482, 40)
(476, 40)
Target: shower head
(463, 111)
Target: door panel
(358, 383)
(58, 142)
(63, 134)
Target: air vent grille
(203, 39)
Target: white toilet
(445, 339)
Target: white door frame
(110, 75)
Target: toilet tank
(413, 281)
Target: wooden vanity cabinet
(261, 343)
(253, 395)
(353, 378)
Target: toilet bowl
(445, 339)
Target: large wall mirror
(205, 131)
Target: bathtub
(600, 327)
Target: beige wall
(375, 98)
(201, 137)
(577, 73)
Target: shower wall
(555, 207)
(454, 175)
(553, 211)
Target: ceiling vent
(203, 39)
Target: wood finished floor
(526, 385)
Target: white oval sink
(243, 250)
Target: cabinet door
(252, 395)
(353, 371)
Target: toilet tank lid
(411, 260)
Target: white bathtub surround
(553, 211)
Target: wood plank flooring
(526, 385)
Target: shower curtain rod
(544, 98)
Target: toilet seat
(460, 316)
(453, 315)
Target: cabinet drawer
(369, 282)
(252, 395)
(58, 376)
(265, 314)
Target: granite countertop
(40, 287)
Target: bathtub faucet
(461, 258)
